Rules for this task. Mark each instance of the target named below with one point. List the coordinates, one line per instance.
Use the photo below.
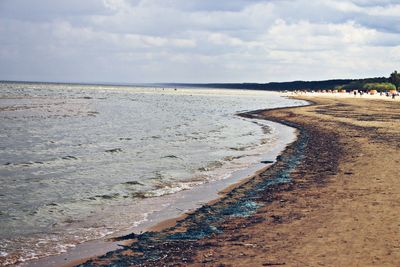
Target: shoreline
(308, 208)
(101, 246)
(225, 193)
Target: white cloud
(197, 41)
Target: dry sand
(365, 96)
(342, 208)
(352, 220)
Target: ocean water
(79, 162)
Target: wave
(43, 162)
(171, 189)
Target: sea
(84, 162)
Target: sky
(197, 41)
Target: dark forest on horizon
(347, 84)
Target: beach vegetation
(380, 84)
(380, 87)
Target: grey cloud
(196, 41)
(374, 3)
(202, 5)
(45, 10)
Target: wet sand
(331, 199)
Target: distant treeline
(378, 83)
(281, 86)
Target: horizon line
(179, 83)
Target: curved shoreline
(102, 246)
(230, 204)
(324, 202)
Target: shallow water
(78, 162)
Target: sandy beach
(331, 199)
(199, 133)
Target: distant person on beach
(355, 93)
(393, 96)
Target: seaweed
(179, 243)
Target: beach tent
(372, 92)
(392, 92)
(342, 91)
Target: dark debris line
(179, 243)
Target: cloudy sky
(132, 41)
